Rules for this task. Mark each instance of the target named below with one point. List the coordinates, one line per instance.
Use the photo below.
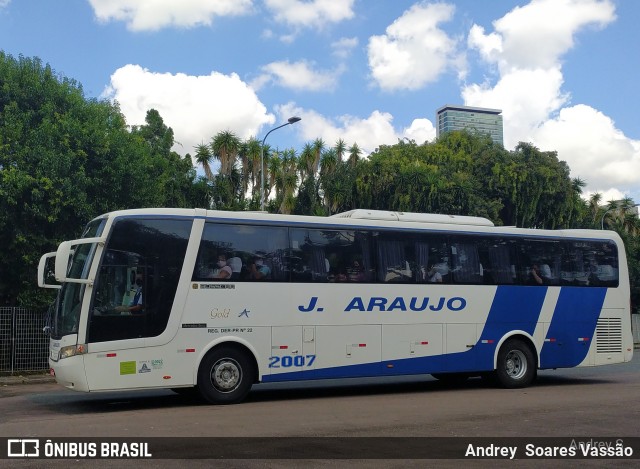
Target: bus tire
(225, 376)
(516, 366)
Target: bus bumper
(69, 372)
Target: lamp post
(291, 120)
(613, 208)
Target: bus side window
(466, 262)
(241, 245)
(330, 255)
(394, 261)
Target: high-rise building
(479, 119)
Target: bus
(143, 302)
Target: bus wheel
(225, 376)
(516, 366)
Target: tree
(340, 149)
(203, 157)
(65, 159)
(225, 147)
(354, 155)
(318, 147)
(252, 150)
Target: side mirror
(46, 271)
(63, 257)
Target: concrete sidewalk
(26, 379)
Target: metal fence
(24, 347)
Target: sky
(565, 73)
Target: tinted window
(465, 260)
(539, 262)
(589, 263)
(138, 278)
(396, 258)
(330, 256)
(248, 252)
(497, 260)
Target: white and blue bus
(212, 301)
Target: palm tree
(289, 185)
(354, 155)
(594, 208)
(203, 156)
(252, 147)
(329, 163)
(243, 153)
(307, 158)
(273, 164)
(318, 146)
(577, 203)
(286, 180)
(622, 218)
(225, 146)
(340, 148)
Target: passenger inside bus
(356, 272)
(433, 276)
(224, 271)
(535, 276)
(258, 270)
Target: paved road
(589, 402)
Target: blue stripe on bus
(513, 308)
(572, 327)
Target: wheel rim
(226, 375)
(515, 364)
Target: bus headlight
(71, 350)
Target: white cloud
(195, 107)
(414, 51)
(4, 3)
(420, 131)
(299, 76)
(343, 47)
(369, 133)
(538, 34)
(594, 148)
(526, 97)
(143, 15)
(311, 13)
(526, 49)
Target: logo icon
(23, 448)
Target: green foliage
(64, 160)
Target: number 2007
(288, 361)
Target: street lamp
(613, 208)
(291, 120)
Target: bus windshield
(70, 297)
